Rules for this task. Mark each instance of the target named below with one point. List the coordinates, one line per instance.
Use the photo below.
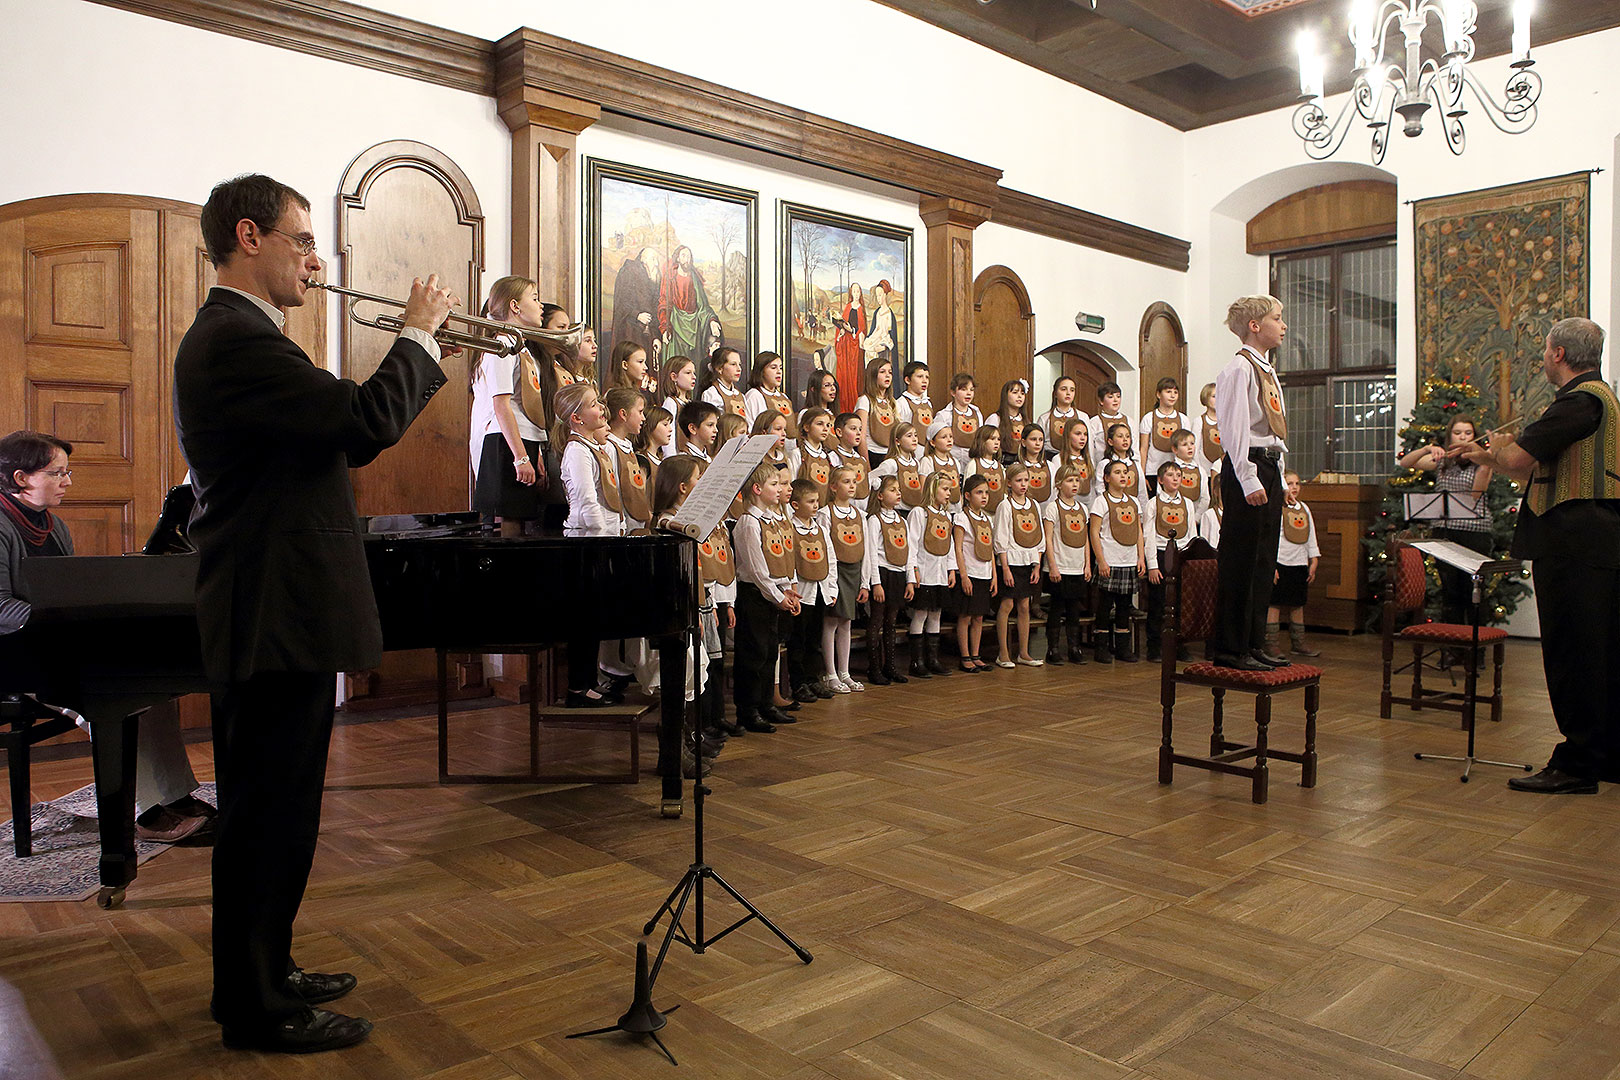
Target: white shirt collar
(271, 312)
(1256, 354)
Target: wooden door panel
(1003, 334)
(95, 419)
(78, 295)
(1162, 353)
(98, 526)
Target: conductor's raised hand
(429, 305)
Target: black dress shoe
(806, 696)
(759, 725)
(1551, 781)
(583, 699)
(309, 1032)
(1269, 658)
(728, 726)
(773, 715)
(317, 988)
(1241, 663)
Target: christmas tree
(1441, 399)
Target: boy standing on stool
(1254, 429)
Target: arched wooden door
(100, 290)
(1003, 335)
(1162, 351)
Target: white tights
(924, 621)
(835, 645)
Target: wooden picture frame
(678, 229)
(820, 256)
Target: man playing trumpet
(284, 597)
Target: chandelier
(1384, 87)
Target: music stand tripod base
(1470, 761)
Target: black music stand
(1455, 555)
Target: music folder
(711, 496)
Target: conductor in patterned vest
(1568, 462)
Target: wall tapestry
(1495, 269)
(669, 262)
(844, 288)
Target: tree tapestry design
(1495, 269)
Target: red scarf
(20, 516)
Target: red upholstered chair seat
(1273, 677)
(1452, 633)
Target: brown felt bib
(810, 556)
(1212, 440)
(856, 459)
(607, 480)
(966, 425)
(1082, 465)
(1296, 524)
(1271, 399)
(1040, 482)
(714, 558)
(995, 482)
(1012, 432)
(880, 420)
(984, 536)
(635, 486)
(1072, 525)
(896, 548)
(776, 542)
(817, 470)
(782, 405)
(922, 414)
(1124, 523)
(1133, 483)
(1026, 526)
(936, 533)
(911, 485)
(1164, 429)
(1057, 427)
(530, 394)
(1192, 482)
(848, 538)
(956, 479)
(1172, 517)
(731, 402)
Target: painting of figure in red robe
(844, 284)
(669, 262)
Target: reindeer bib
(810, 555)
(848, 538)
(936, 533)
(1164, 430)
(880, 420)
(911, 484)
(1124, 524)
(1026, 526)
(781, 404)
(714, 558)
(1296, 524)
(1072, 526)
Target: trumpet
(480, 335)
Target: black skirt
(1021, 586)
(928, 598)
(498, 491)
(979, 602)
(1291, 587)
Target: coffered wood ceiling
(1196, 62)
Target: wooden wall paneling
(405, 210)
(1162, 351)
(1003, 335)
(950, 225)
(545, 130)
(1341, 597)
(1031, 213)
(1326, 214)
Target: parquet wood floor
(990, 877)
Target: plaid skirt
(1120, 579)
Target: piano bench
(24, 722)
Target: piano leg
(672, 661)
(112, 749)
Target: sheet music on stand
(1444, 506)
(1453, 554)
(709, 499)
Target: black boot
(919, 668)
(891, 662)
(1122, 648)
(1103, 640)
(1054, 643)
(874, 656)
(1077, 651)
(931, 647)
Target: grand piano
(110, 637)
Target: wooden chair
(1404, 588)
(24, 722)
(1189, 616)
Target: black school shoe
(309, 1032)
(317, 988)
(757, 725)
(806, 696)
(1551, 781)
(773, 715)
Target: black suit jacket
(282, 583)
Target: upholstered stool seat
(1404, 593)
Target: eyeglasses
(304, 244)
(60, 474)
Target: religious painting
(1495, 269)
(669, 263)
(844, 289)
